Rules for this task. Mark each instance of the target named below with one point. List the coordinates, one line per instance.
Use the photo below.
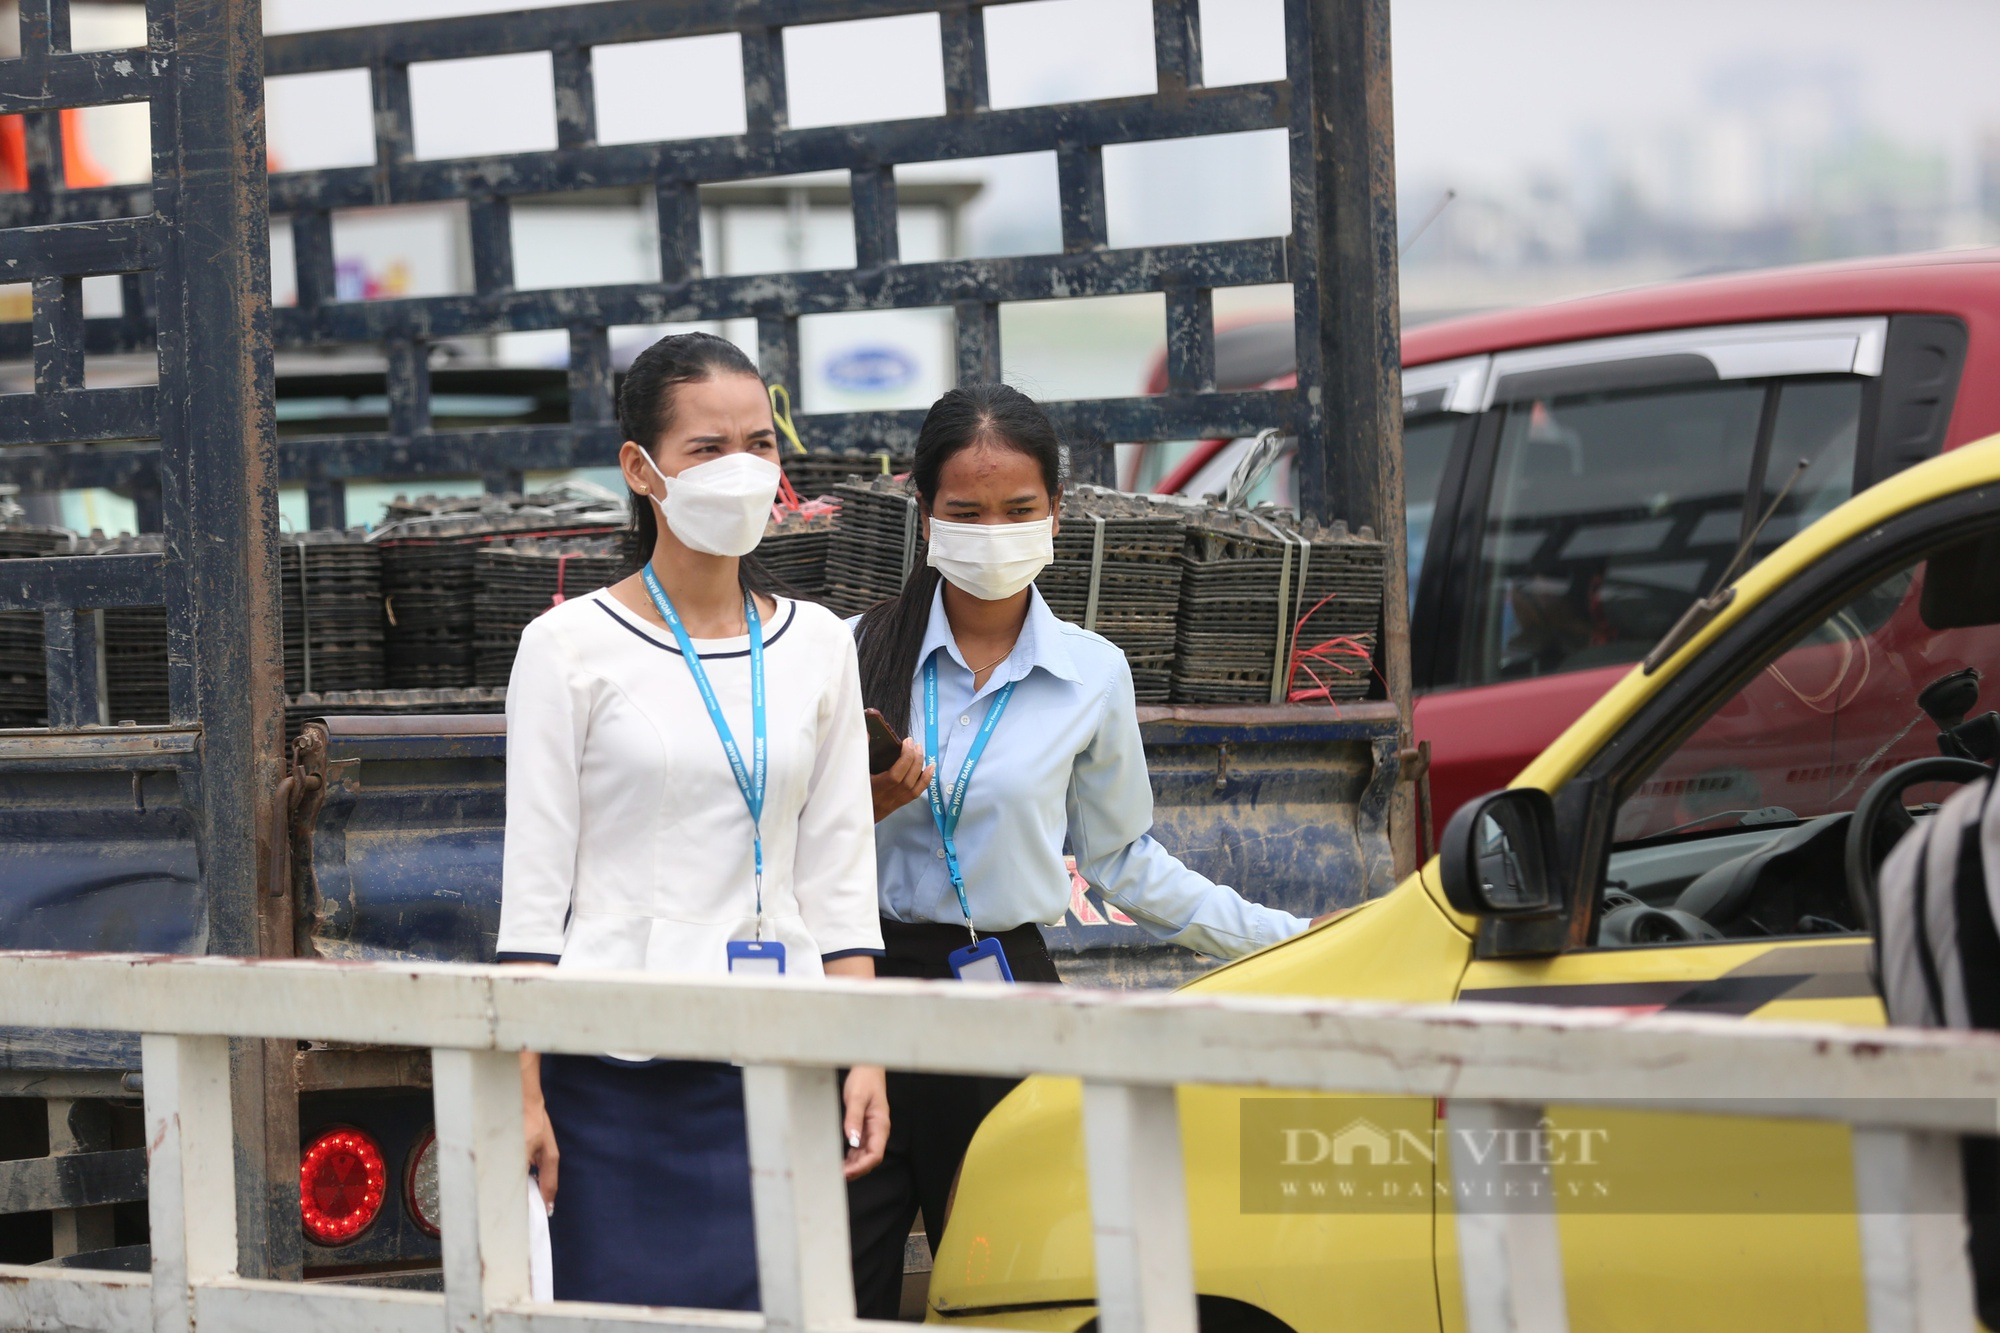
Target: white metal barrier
(1908, 1095)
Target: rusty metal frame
(199, 297)
(1340, 256)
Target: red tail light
(342, 1183)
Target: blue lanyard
(749, 781)
(945, 813)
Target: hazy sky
(1485, 87)
(1486, 90)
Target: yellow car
(1714, 825)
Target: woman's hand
(542, 1154)
(903, 782)
(864, 1100)
(865, 1120)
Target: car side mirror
(1497, 856)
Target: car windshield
(1809, 733)
(1611, 512)
(1741, 829)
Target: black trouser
(932, 1118)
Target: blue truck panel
(1288, 803)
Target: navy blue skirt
(653, 1190)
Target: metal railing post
(804, 1269)
(482, 1184)
(1138, 1209)
(191, 1171)
(1509, 1253)
(1910, 1198)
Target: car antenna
(1443, 202)
(1696, 617)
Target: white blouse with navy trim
(628, 842)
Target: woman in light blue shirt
(1022, 734)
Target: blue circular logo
(871, 369)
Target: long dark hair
(892, 631)
(646, 412)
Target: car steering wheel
(1880, 820)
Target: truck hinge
(300, 793)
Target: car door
(1720, 889)
(1608, 485)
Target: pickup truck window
(1818, 421)
(1608, 514)
(1740, 830)
(1426, 445)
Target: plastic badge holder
(984, 961)
(757, 958)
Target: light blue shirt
(1065, 761)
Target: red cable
(562, 565)
(787, 497)
(1328, 653)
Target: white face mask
(720, 507)
(992, 561)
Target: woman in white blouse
(642, 833)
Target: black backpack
(1937, 964)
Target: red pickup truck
(1576, 474)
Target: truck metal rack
(199, 451)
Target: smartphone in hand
(884, 745)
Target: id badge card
(984, 961)
(757, 958)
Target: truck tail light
(420, 1184)
(342, 1183)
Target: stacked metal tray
(428, 588)
(795, 548)
(24, 679)
(388, 703)
(563, 505)
(1127, 550)
(875, 544)
(1235, 568)
(135, 664)
(23, 541)
(331, 596)
(518, 580)
(135, 642)
(340, 603)
(816, 474)
(430, 577)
